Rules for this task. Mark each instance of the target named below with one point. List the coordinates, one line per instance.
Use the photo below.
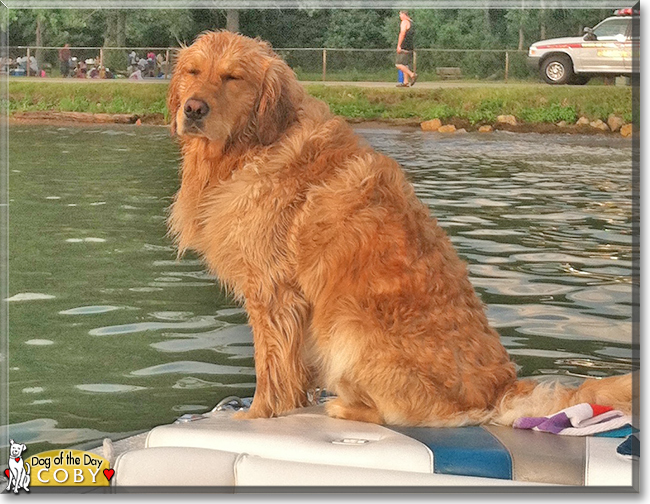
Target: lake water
(110, 335)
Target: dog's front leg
(279, 322)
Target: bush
(552, 113)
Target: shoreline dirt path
(365, 84)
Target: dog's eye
(228, 77)
(193, 71)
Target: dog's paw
(242, 415)
(337, 408)
(251, 414)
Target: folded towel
(579, 420)
(621, 432)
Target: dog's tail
(529, 398)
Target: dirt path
(364, 84)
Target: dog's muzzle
(195, 110)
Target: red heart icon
(109, 473)
(7, 473)
(17, 459)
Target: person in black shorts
(405, 45)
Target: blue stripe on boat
(464, 451)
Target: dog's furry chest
(243, 227)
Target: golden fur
(349, 284)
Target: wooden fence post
(507, 65)
(28, 63)
(415, 60)
(167, 64)
(102, 68)
(324, 63)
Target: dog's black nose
(196, 109)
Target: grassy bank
(529, 103)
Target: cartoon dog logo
(19, 470)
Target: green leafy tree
(159, 28)
(360, 29)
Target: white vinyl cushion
(257, 471)
(305, 437)
(604, 466)
(154, 467)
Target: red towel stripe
(599, 410)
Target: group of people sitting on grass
(151, 66)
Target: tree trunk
(39, 41)
(521, 37)
(111, 28)
(120, 29)
(232, 20)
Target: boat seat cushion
(175, 467)
(258, 471)
(309, 436)
(306, 437)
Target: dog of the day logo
(18, 472)
(56, 468)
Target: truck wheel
(557, 69)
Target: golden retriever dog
(348, 283)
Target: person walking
(405, 47)
(64, 60)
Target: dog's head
(230, 88)
(16, 449)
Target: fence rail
(321, 63)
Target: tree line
(365, 28)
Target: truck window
(610, 28)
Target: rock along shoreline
(614, 125)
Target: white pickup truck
(605, 49)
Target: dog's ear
(173, 100)
(278, 101)
(24, 447)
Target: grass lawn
(529, 102)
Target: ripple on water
(196, 323)
(172, 315)
(39, 342)
(90, 310)
(233, 340)
(33, 390)
(29, 296)
(89, 239)
(193, 367)
(547, 354)
(559, 322)
(108, 388)
(187, 408)
(521, 286)
(179, 262)
(45, 430)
